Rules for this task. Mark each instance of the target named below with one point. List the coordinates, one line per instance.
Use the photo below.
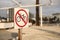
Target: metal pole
(41, 16)
(19, 34)
(41, 21)
(37, 13)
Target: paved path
(33, 33)
(43, 33)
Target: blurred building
(11, 14)
(7, 14)
(57, 15)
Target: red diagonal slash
(22, 18)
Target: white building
(57, 15)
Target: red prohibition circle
(25, 22)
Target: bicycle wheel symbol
(18, 19)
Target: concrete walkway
(32, 33)
(42, 33)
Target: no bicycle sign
(20, 17)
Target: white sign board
(21, 17)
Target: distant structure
(7, 15)
(11, 14)
(57, 15)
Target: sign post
(19, 34)
(20, 20)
